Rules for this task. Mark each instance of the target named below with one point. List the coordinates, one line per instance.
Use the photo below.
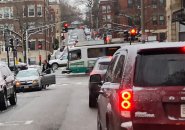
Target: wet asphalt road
(63, 106)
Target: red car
(144, 89)
(100, 68)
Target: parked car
(19, 66)
(32, 79)
(143, 89)
(94, 86)
(7, 89)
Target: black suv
(7, 87)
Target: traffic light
(39, 46)
(133, 32)
(66, 27)
(11, 42)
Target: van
(144, 89)
(82, 59)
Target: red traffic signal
(133, 32)
(40, 46)
(65, 25)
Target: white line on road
(16, 123)
(28, 122)
(65, 84)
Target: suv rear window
(160, 70)
(103, 65)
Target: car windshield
(27, 73)
(160, 70)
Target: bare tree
(69, 13)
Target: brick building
(56, 6)
(105, 15)
(175, 20)
(19, 15)
(127, 13)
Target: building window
(24, 11)
(154, 20)
(161, 19)
(154, 3)
(7, 13)
(109, 18)
(162, 2)
(108, 9)
(103, 9)
(137, 3)
(39, 10)
(32, 45)
(104, 18)
(130, 3)
(1, 13)
(31, 10)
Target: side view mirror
(96, 78)
(4, 77)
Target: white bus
(82, 59)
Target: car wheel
(3, 102)
(92, 101)
(99, 127)
(39, 87)
(109, 124)
(13, 98)
(54, 66)
(44, 86)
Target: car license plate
(26, 86)
(183, 110)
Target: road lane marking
(16, 123)
(28, 122)
(79, 83)
(65, 84)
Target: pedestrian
(76, 41)
(49, 57)
(20, 60)
(46, 68)
(29, 61)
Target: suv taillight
(125, 102)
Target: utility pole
(142, 21)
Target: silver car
(32, 79)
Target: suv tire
(3, 101)
(13, 98)
(99, 127)
(55, 66)
(92, 101)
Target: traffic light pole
(14, 60)
(26, 53)
(130, 39)
(142, 21)
(8, 57)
